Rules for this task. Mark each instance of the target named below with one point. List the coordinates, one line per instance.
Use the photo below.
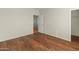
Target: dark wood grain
(38, 42)
(75, 38)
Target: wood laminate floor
(38, 42)
(75, 39)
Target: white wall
(75, 22)
(19, 22)
(57, 22)
(16, 22)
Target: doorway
(35, 24)
(75, 26)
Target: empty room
(37, 29)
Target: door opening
(75, 26)
(35, 24)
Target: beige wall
(57, 22)
(16, 22)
